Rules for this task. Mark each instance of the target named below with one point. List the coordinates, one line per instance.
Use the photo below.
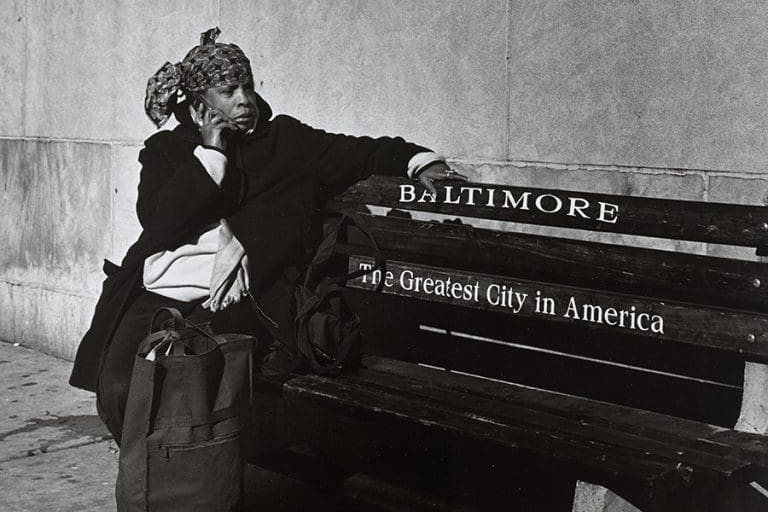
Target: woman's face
(236, 101)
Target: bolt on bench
(549, 372)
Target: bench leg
(596, 498)
(754, 402)
(753, 418)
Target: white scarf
(229, 279)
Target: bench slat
(674, 321)
(665, 218)
(698, 436)
(667, 274)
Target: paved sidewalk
(56, 456)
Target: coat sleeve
(342, 160)
(176, 195)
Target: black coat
(275, 179)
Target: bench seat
(620, 447)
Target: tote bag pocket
(177, 471)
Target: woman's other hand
(437, 171)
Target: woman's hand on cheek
(213, 124)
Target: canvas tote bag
(186, 419)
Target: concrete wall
(649, 98)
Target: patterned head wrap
(210, 64)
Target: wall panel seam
(35, 286)
(113, 142)
(507, 78)
(24, 71)
(705, 178)
(561, 166)
(112, 191)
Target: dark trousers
(115, 376)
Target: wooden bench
(547, 371)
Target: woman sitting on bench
(225, 201)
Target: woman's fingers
(200, 115)
(427, 182)
(219, 120)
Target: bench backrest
(658, 329)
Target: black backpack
(327, 331)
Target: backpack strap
(325, 249)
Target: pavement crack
(71, 432)
(53, 448)
(32, 425)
